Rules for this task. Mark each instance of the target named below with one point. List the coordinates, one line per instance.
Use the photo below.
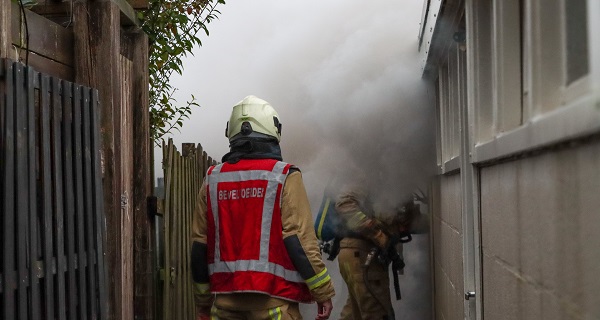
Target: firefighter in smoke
(371, 242)
(254, 252)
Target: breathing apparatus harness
(385, 257)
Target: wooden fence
(51, 211)
(183, 175)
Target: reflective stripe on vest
(254, 265)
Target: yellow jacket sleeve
(298, 230)
(349, 206)
(201, 287)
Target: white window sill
(450, 166)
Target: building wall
(447, 249)
(540, 240)
(516, 205)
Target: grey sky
(345, 79)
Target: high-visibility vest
(245, 245)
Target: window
(506, 65)
(530, 57)
(576, 40)
(482, 77)
(452, 96)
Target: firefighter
(368, 234)
(254, 252)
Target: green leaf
(172, 34)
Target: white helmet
(253, 117)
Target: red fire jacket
(246, 252)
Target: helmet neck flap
(253, 148)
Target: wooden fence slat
(192, 198)
(46, 165)
(71, 289)
(168, 168)
(180, 217)
(188, 278)
(8, 197)
(199, 182)
(205, 161)
(58, 196)
(33, 217)
(88, 220)
(79, 208)
(176, 233)
(98, 207)
(201, 169)
(184, 236)
(21, 185)
(181, 235)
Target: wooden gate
(51, 210)
(183, 175)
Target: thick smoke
(345, 79)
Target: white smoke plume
(345, 79)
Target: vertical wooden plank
(8, 196)
(125, 126)
(5, 29)
(205, 161)
(34, 308)
(200, 176)
(191, 198)
(21, 185)
(88, 205)
(168, 285)
(174, 232)
(180, 235)
(96, 61)
(46, 175)
(200, 151)
(69, 196)
(79, 203)
(177, 235)
(99, 227)
(184, 236)
(58, 197)
(163, 233)
(143, 253)
(199, 165)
